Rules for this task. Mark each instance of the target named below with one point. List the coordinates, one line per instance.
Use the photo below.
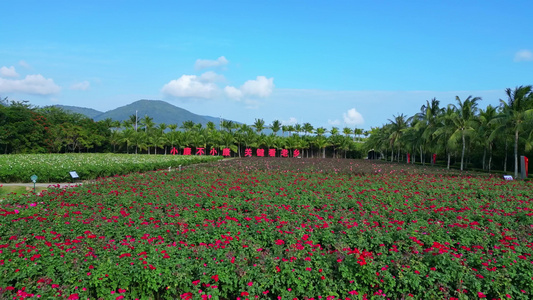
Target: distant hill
(89, 112)
(160, 111)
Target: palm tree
(227, 140)
(115, 139)
(133, 120)
(347, 131)
(333, 139)
(298, 128)
(345, 143)
(464, 121)
(486, 128)
(148, 124)
(321, 142)
(427, 117)
(158, 137)
(228, 125)
(187, 125)
(259, 125)
(275, 126)
(444, 131)
(378, 140)
(357, 133)
(174, 138)
(398, 126)
(284, 128)
(320, 131)
(290, 129)
(308, 128)
(517, 114)
(413, 138)
(210, 126)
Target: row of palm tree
(146, 136)
(460, 129)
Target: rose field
(273, 228)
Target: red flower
(215, 278)
(244, 294)
(481, 295)
(73, 297)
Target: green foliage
(56, 167)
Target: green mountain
(89, 112)
(160, 111)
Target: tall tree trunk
(484, 155)
(505, 160)
(392, 154)
(490, 156)
(399, 151)
(516, 154)
(324, 152)
(449, 157)
(463, 152)
(422, 156)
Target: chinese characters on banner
(226, 152)
(296, 153)
(247, 152)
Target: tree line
(461, 133)
(28, 129)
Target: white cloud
(233, 92)
(523, 55)
(80, 86)
(24, 64)
(191, 86)
(260, 87)
(290, 121)
(334, 122)
(353, 117)
(208, 63)
(31, 84)
(8, 72)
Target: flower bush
(273, 228)
(56, 167)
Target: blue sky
(330, 63)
